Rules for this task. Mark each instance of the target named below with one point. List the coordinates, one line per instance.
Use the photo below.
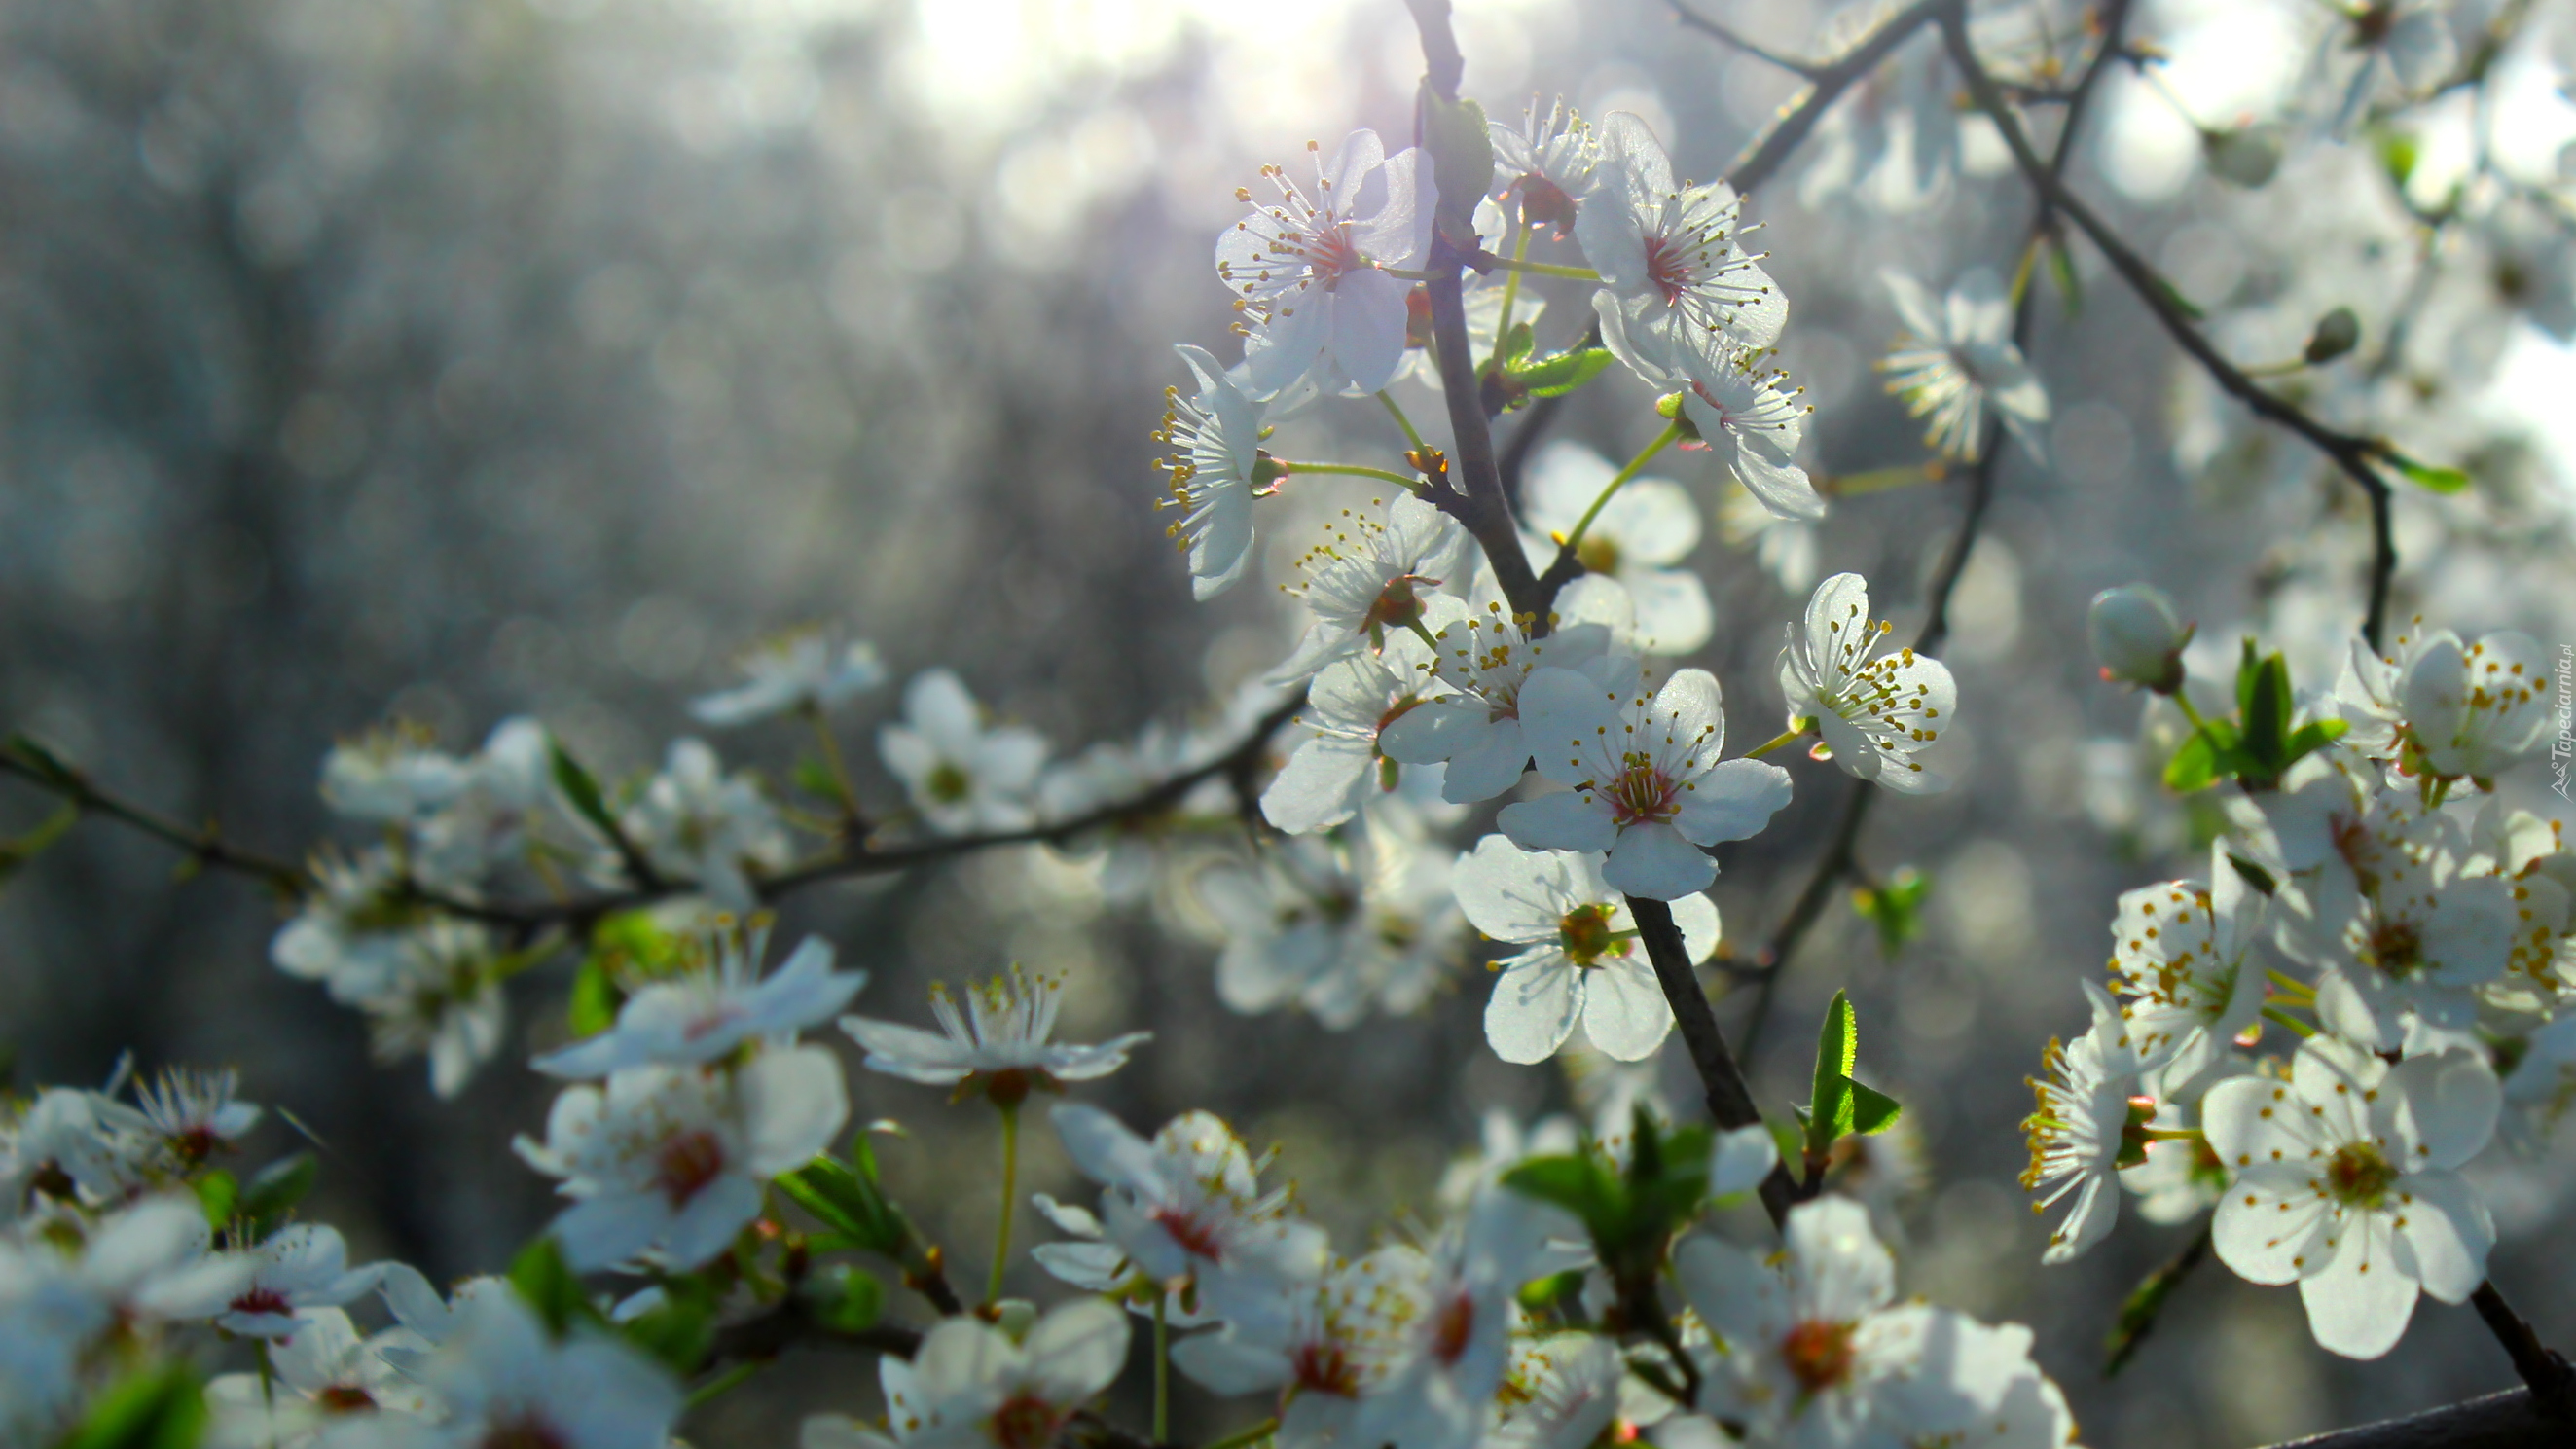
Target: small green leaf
(2180, 303)
(679, 1329)
(1895, 907)
(217, 1191)
(2255, 875)
(1873, 1111)
(1558, 373)
(2194, 766)
(1541, 1294)
(2314, 736)
(1517, 343)
(14, 854)
(158, 1407)
(1578, 1184)
(2061, 269)
(38, 756)
(274, 1191)
(1462, 156)
(592, 1005)
(850, 1204)
(580, 791)
(542, 1277)
(844, 1299)
(1829, 1104)
(2398, 154)
(2425, 475)
(2267, 718)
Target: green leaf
(2194, 766)
(2425, 475)
(158, 1407)
(592, 1006)
(2180, 303)
(1578, 1184)
(275, 1190)
(815, 778)
(14, 854)
(217, 1191)
(844, 1299)
(579, 790)
(2398, 154)
(1561, 372)
(1462, 156)
(2255, 875)
(542, 1277)
(1517, 343)
(1541, 1294)
(679, 1329)
(1895, 907)
(2061, 269)
(2314, 736)
(1829, 1104)
(1873, 1111)
(2267, 718)
(850, 1204)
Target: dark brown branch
(1829, 79)
(2498, 1421)
(1730, 1098)
(205, 846)
(2543, 1369)
(2350, 452)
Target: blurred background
(456, 359)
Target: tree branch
(204, 846)
(2498, 1421)
(1730, 1099)
(1693, 20)
(2350, 452)
(2544, 1371)
(1827, 81)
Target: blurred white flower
(963, 774)
(1306, 266)
(707, 1013)
(1002, 1046)
(1957, 357)
(802, 669)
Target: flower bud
(2137, 638)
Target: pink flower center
(1196, 1238)
(686, 1164)
(1326, 1368)
(1642, 794)
(262, 1300)
(1819, 1354)
(1025, 1422)
(1456, 1323)
(1327, 251)
(1668, 267)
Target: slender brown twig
(1826, 82)
(1729, 1096)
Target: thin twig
(1726, 34)
(205, 846)
(2543, 1369)
(2350, 452)
(1769, 151)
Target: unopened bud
(2137, 637)
(2338, 332)
(2247, 155)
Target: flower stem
(1879, 480)
(2278, 1017)
(1547, 269)
(1396, 412)
(1246, 1437)
(1162, 1366)
(1511, 292)
(834, 766)
(1794, 733)
(2182, 702)
(1355, 470)
(723, 1383)
(1662, 440)
(1010, 1200)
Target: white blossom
(1215, 472)
(390, 775)
(1959, 357)
(963, 774)
(2345, 1183)
(1578, 957)
(301, 1267)
(669, 1160)
(1671, 264)
(2079, 1134)
(1646, 780)
(1323, 1351)
(802, 669)
(971, 1387)
(1450, 1354)
(2180, 954)
(1879, 713)
(501, 1380)
(698, 824)
(1784, 547)
(1474, 730)
(1337, 925)
(1002, 1045)
(709, 1012)
(2438, 707)
(1306, 272)
(1747, 418)
(1189, 1205)
(1332, 773)
(1639, 538)
(1369, 577)
(1548, 162)
(323, 1373)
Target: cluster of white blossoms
(124, 1240)
(2376, 916)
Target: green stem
(1662, 440)
(1511, 292)
(1162, 1366)
(2278, 1017)
(1010, 1200)
(723, 1383)
(1547, 269)
(1396, 412)
(1355, 470)
(832, 762)
(2182, 701)
(1796, 732)
(1244, 1438)
(1879, 480)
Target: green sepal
(850, 1203)
(815, 778)
(274, 1190)
(580, 790)
(161, 1406)
(218, 1192)
(591, 1006)
(546, 1282)
(2061, 270)
(2426, 476)
(2337, 333)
